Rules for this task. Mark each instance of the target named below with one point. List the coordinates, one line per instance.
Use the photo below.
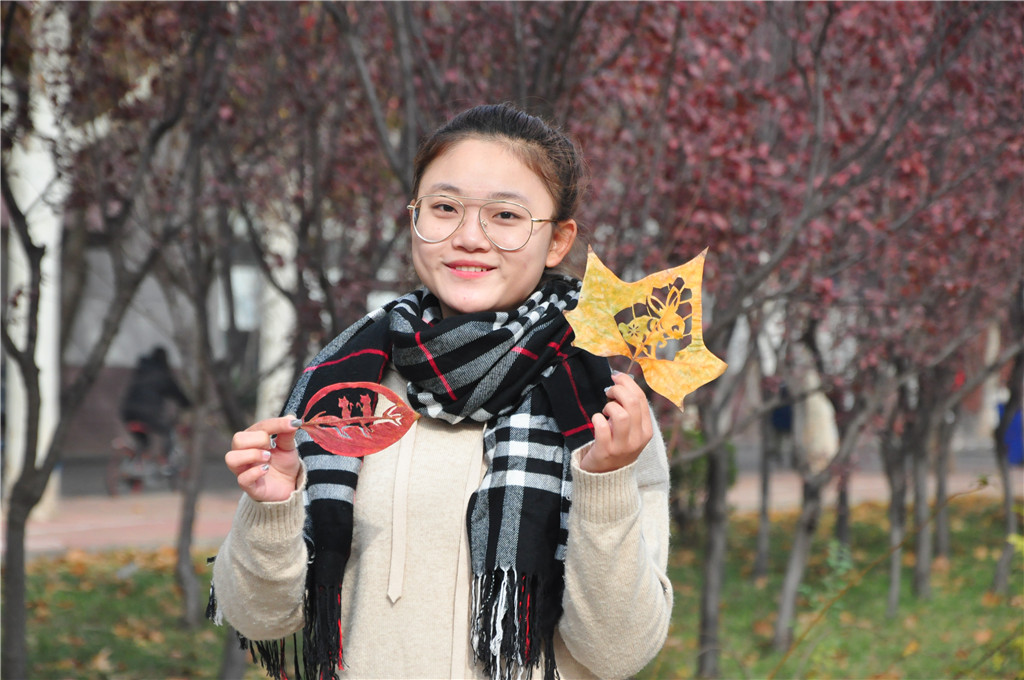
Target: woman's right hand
(265, 460)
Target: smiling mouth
(470, 269)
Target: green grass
(946, 636)
(116, 615)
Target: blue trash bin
(1013, 439)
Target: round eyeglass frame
(412, 207)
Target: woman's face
(466, 271)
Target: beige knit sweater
(406, 591)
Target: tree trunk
(897, 531)
(928, 431)
(896, 475)
(716, 521)
(15, 621)
(769, 452)
(842, 530)
(895, 466)
(193, 602)
(233, 658)
(1001, 578)
(922, 585)
(798, 556)
(942, 544)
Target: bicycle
(135, 470)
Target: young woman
(522, 521)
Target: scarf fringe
(511, 631)
(321, 635)
(270, 654)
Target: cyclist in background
(144, 406)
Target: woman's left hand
(621, 430)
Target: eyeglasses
(507, 225)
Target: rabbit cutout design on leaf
(655, 322)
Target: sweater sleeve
(618, 598)
(260, 572)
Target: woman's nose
(471, 236)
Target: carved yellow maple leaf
(655, 322)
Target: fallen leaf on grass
(101, 662)
(982, 636)
(139, 630)
(654, 322)
(991, 599)
(764, 628)
(40, 610)
(805, 619)
(684, 557)
(161, 559)
(683, 588)
(912, 648)
(77, 562)
(673, 643)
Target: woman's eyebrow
(508, 196)
(442, 188)
(451, 189)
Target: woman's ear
(562, 238)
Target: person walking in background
(150, 405)
(522, 521)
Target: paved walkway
(145, 520)
(150, 520)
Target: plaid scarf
(518, 373)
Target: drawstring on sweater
(399, 515)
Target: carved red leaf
(341, 418)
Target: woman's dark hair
(543, 148)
